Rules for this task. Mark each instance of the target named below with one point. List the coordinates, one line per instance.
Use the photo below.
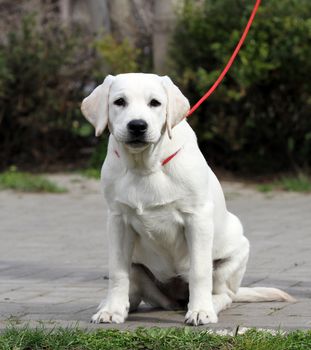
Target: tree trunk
(93, 14)
(165, 12)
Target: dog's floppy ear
(95, 106)
(177, 104)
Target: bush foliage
(258, 120)
(39, 91)
(45, 72)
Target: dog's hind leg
(224, 290)
(143, 288)
(227, 276)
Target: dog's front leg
(121, 240)
(199, 231)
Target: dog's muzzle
(137, 129)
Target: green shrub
(258, 120)
(119, 57)
(99, 153)
(45, 72)
(41, 87)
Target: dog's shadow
(156, 315)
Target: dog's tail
(258, 294)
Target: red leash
(218, 81)
(232, 58)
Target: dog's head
(137, 107)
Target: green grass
(300, 183)
(26, 182)
(154, 338)
(91, 173)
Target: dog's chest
(147, 195)
(159, 223)
(151, 207)
(161, 243)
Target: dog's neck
(148, 160)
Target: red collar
(165, 161)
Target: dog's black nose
(137, 127)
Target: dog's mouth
(136, 143)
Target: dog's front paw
(196, 318)
(106, 315)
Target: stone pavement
(53, 258)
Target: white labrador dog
(172, 241)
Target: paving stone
(53, 259)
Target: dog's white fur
(171, 219)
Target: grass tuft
(91, 173)
(153, 338)
(300, 183)
(26, 182)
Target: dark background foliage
(259, 118)
(39, 93)
(45, 72)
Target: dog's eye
(154, 103)
(120, 102)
